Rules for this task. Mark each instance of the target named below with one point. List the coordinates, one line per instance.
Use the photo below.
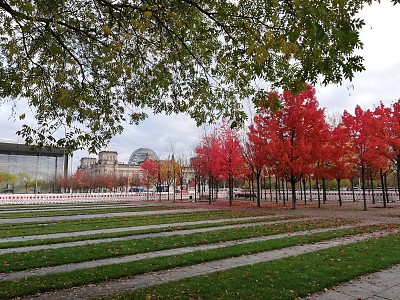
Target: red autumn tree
(228, 153)
(205, 163)
(340, 156)
(393, 140)
(379, 143)
(255, 151)
(150, 173)
(358, 133)
(293, 135)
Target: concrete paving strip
(384, 285)
(155, 278)
(177, 251)
(74, 208)
(18, 207)
(94, 216)
(142, 236)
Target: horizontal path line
(94, 216)
(75, 207)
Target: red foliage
(340, 156)
(150, 172)
(228, 153)
(292, 137)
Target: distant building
(42, 165)
(108, 164)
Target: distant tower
(108, 157)
(140, 155)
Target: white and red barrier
(86, 198)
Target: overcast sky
(380, 82)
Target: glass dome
(140, 155)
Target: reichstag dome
(140, 155)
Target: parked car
(136, 190)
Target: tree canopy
(84, 67)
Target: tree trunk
(230, 188)
(318, 193)
(210, 189)
(270, 188)
(277, 192)
(305, 190)
(363, 185)
(293, 183)
(258, 179)
(301, 190)
(338, 188)
(195, 189)
(252, 188)
(265, 187)
(324, 190)
(372, 188)
(352, 189)
(309, 179)
(174, 188)
(386, 188)
(383, 189)
(283, 192)
(159, 193)
(216, 189)
(398, 174)
(181, 183)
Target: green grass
(56, 205)
(31, 285)
(52, 257)
(286, 278)
(24, 229)
(81, 211)
(47, 241)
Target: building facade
(31, 167)
(108, 164)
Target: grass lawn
(121, 234)
(51, 282)
(278, 279)
(287, 278)
(81, 211)
(52, 257)
(34, 228)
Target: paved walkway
(383, 285)
(74, 207)
(156, 278)
(105, 215)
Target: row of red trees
(152, 173)
(84, 180)
(293, 141)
